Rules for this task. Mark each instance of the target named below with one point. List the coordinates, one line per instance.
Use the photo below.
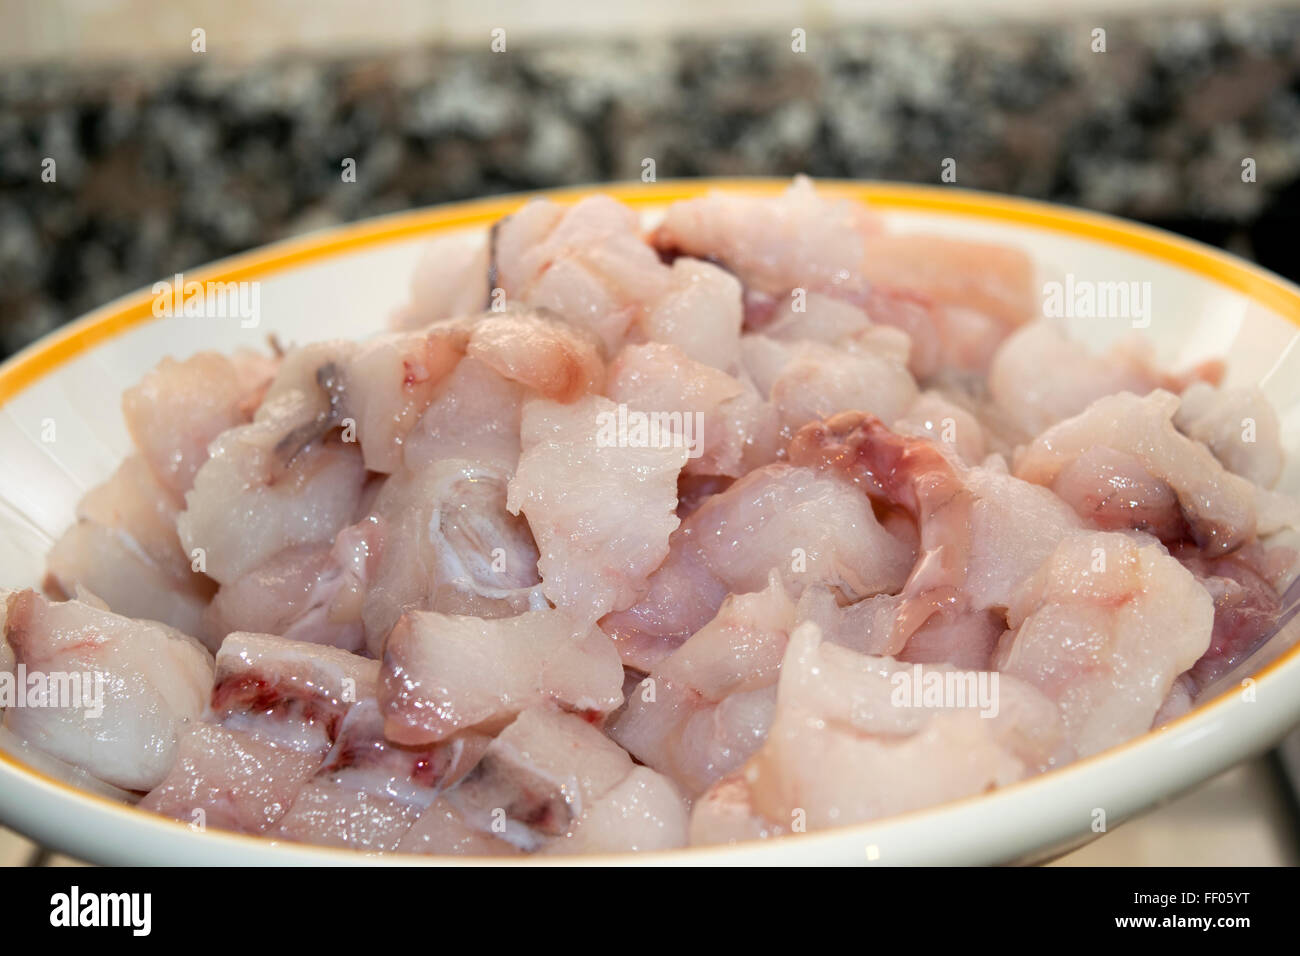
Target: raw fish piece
(855, 738)
(230, 780)
(934, 416)
(140, 684)
(124, 549)
(1219, 506)
(810, 528)
(995, 280)
(807, 381)
(446, 673)
(442, 829)
(369, 791)
(450, 545)
(1238, 425)
(600, 510)
(474, 416)
(796, 240)
(450, 279)
(586, 262)
(1104, 628)
(552, 782)
(253, 497)
(700, 313)
(706, 707)
(311, 593)
(733, 430)
(1041, 376)
(178, 408)
(290, 692)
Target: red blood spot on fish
(276, 699)
(426, 770)
(413, 373)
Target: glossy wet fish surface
(764, 520)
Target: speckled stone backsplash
(163, 167)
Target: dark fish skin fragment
(329, 377)
(493, 271)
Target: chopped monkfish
(952, 427)
(1238, 425)
(231, 780)
(1217, 505)
(310, 593)
(728, 427)
(757, 514)
(553, 782)
(701, 312)
(369, 791)
(997, 281)
(809, 528)
(119, 692)
(857, 737)
(451, 279)
(178, 408)
(290, 692)
(256, 496)
(474, 415)
(449, 544)
(1104, 628)
(795, 240)
(1040, 376)
(706, 707)
(124, 549)
(446, 673)
(808, 381)
(600, 505)
(587, 263)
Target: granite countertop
(161, 167)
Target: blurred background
(184, 132)
(167, 157)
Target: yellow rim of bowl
(49, 353)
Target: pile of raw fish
(445, 591)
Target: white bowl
(346, 281)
